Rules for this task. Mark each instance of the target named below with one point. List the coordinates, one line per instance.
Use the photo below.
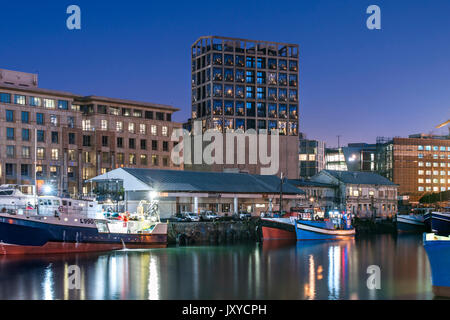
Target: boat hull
(410, 223)
(278, 229)
(321, 230)
(427, 221)
(438, 252)
(440, 223)
(20, 236)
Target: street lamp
(47, 189)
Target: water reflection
(273, 270)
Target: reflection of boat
(64, 230)
(438, 251)
(440, 223)
(277, 244)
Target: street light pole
(281, 192)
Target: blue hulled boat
(440, 223)
(337, 227)
(59, 227)
(410, 223)
(438, 251)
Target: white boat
(17, 198)
(53, 206)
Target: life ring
(60, 208)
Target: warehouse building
(189, 191)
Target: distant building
(311, 157)
(419, 164)
(365, 194)
(318, 195)
(354, 157)
(62, 139)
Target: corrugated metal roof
(309, 183)
(195, 181)
(357, 177)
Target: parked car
(190, 216)
(244, 215)
(209, 216)
(181, 217)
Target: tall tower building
(247, 84)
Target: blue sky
(354, 82)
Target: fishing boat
(438, 251)
(416, 221)
(336, 227)
(440, 223)
(68, 225)
(308, 226)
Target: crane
(443, 124)
(446, 123)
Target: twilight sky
(354, 82)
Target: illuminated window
(55, 154)
(153, 130)
(19, 99)
(132, 158)
(49, 103)
(142, 128)
(40, 153)
(131, 127)
(104, 125)
(53, 120)
(164, 131)
(86, 125)
(119, 126)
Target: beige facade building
(62, 139)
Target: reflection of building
(190, 191)
(354, 157)
(311, 157)
(365, 194)
(419, 164)
(72, 138)
(248, 85)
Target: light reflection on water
(272, 270)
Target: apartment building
(247, 84)
(61, 139)
(419, 164)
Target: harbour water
(271, 270)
